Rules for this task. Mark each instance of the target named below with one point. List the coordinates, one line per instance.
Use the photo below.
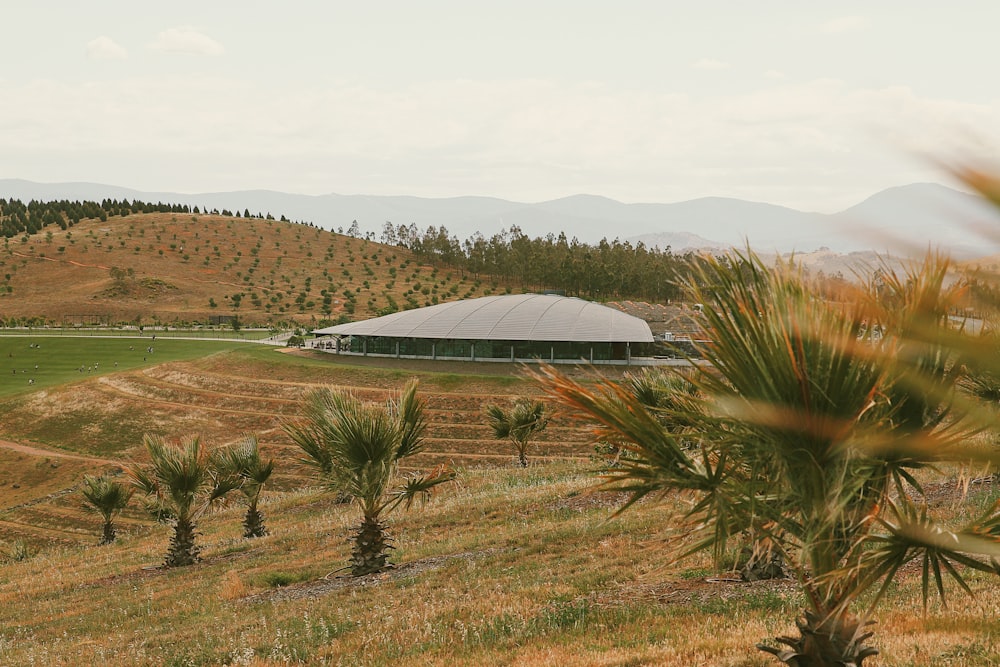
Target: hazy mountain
(911, 217)
(905, 218)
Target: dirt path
(52, 453)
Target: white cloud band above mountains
(815, 145)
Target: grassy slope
(96, 420)
(506, 566)
(182, 262)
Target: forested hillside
(110, 262)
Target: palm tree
(672, 398)
(180, 479)
(108, 497)
(357, 448)
(251, 473)
(797, 439)
(656, 388)
(524, 419)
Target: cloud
(186, 40)
(817, 145)
(774, 74)
(846, 24)
(105, 48)
(710, 63)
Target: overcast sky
(809, 105)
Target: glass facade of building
(490, 350)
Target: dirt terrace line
(201, 391)
(64, 534)
(53, 453)
(249, 379)
(184, 388)
(104, 386)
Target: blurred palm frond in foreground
(810, 431)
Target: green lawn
(196, 332)
(51, 361)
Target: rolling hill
(175, 268)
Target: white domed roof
(535, 317)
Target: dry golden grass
(181, 263)
(503, 567)
(506, 567)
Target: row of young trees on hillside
(181, 481)
(355, 446)
(605, 271)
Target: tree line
(604, 271)
(18, 218)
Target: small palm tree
(250, 473)
(807, 434)
(357, 448)
(108, 497)
(519, 424)
(180, 479)
(661, 390)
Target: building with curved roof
(514, 327)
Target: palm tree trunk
(109, 533)
(825, 640)
(253, 523)
(371, 548)
(522, 454)
(182, 548)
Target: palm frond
(240, 466)
(916, 536)
(409, 409)
(418, 487)
(498, 421)
(141, 477)
(662, 461)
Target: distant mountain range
(901, 220)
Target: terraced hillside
(98, 424)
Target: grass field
(503, 567)
(50, 361)
(210, 333)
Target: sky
(809, 105)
